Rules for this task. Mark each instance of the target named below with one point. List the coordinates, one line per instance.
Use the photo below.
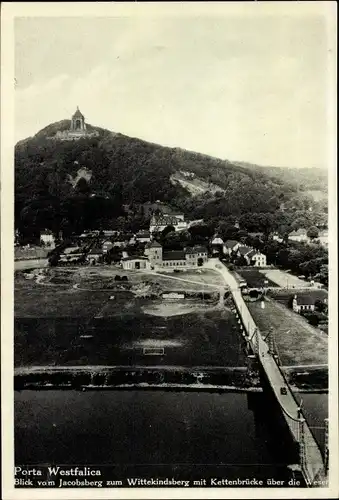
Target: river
(188, 434)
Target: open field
(255, 278)
(208, 338)
(66, 317)
(297, 342)
(285, 279)
(102, 278)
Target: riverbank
(170, 377)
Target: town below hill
(171, 241)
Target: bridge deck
(313, 465)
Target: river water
(186, 434)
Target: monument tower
(77, 129)
(78, 122)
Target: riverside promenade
(311, 462)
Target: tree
(166, 230)
(320, 305)
(313, 232)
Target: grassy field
(284, 279)
(283, 296)
(208, 338)
(298, 343)
(70, 319)
(255, 278)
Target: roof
(305, 299)
(143, 234)
(134, 258)
(217, 240)
(46, 231)
(244, 250)
(200, 248)
(299, 232)
(195, 249)
(174, 255)
(231, 243)
(78, 114)
(95, 251)
(252, 253)
(164, 219)
(154, 244)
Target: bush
(124, 278)
(117, 278)
(313, 319)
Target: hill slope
(78, 183)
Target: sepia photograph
(170, 199)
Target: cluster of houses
(233, 248)
(300, 235)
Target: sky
(245, 88)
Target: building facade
(175, 259)
(135, 263)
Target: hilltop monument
(77, 129)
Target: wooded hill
(75, 185)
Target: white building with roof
(160, 222)
(47, 238)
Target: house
(94, 255)
(256, 259)
(47, 238)
(107, 246)
(243, 251)
(109, 232)
(143, 236)
(230, 246)
(160, 222)
(217, 241)
(277, 237)
(252, 257)
(151, 208)
(121, 240)
(217, 244)
(196, 222)
(303, 303)
(71, 254)
(299, 235)
(135, 263)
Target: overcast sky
(241, 88)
